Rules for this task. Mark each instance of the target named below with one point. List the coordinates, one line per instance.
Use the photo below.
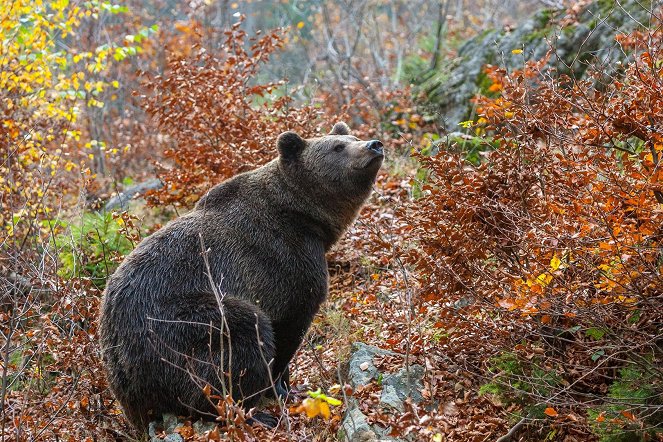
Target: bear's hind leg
(229, 351)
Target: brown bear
(175, 318)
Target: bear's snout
(375, 146)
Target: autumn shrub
(553, 241)
(206, 107)
(51, 383)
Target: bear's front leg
(287, 338)
(281, 385)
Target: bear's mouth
(372, 162)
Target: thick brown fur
(267, 232)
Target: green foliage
(517, 379)
(415, 64)
(630, 412)
(92, 247)
(29, 369)
(595, 333)
(472, 146)
(420, 179)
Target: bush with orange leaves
(555, 244)
(205, 106)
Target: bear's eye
(339, 147)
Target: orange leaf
(551, 412)
(186, 431)
(214, 435)
(324, 410)
(311, 406)
(628, 415)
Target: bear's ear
(290, 145)
(340, 128)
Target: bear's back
(254, 250)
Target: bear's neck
(321, 214)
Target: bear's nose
(375, 146)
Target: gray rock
(169, 438)
(363, 357)
(356, 427)
(200, 426)
(170, 422)
(398, 386)
(395, 389)
(391, 397)
(167, 424)
(449, 91)
(154, 429)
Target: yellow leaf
(333, 401)
(324, 410)
(311, 406)
(554, 263)
(544, 279)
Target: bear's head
(337, 165)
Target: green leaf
(573, 329)
(595, 333)
(318, 394)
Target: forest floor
(372, 299)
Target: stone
(356, 427)
(362, 370)
(397, 387)
(448, 91)
(170, 422)
(201, 427)
(121, 200)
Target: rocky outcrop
(396, 388)
(589, 39)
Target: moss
(538, 34)
(544, 17)
(605, 6)
(472, 147)
(569, 30)
(544, 24)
